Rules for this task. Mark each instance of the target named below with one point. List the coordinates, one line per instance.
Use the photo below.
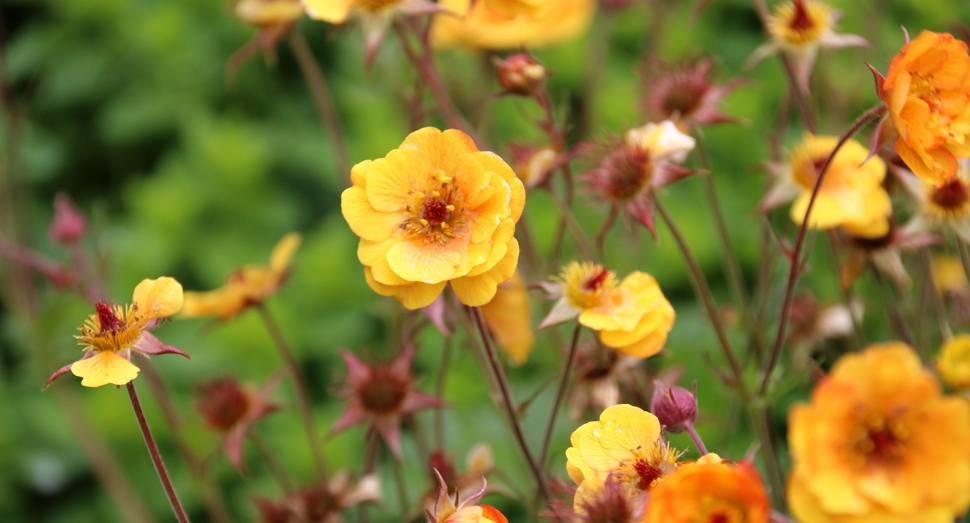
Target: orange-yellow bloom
(953, 364)
(879, 443)
(248, 286)
(110, 335)
(433, 211)
(467, 510)
(927, 90)
(508, 24)
(710, 491)
(631, 316)
(269, 13)
(625, 445)
(851, 195)
(509, 318)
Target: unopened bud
(68, 225)
(521, 74)
(673, 406)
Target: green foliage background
(125, 105)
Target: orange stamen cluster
(113, 328)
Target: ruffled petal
(476, 291)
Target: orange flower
(710, 491)
(927, 90)
(110, 336)
(435, 210)
(445, 510)
(248, 286)
(509, 318)
(509, 24)
(625, 445)
(878, 443)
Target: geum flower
(382, 395)
(685, 94)
(799, 28)
(953, 364)
(246, 287)
(376, 16)
(231, 409)
(111, 334)
(434, 211)
(631, 316)
(851, 195)
(927, 92)
(606, 500)
(511, 24)
(628, 172)
(879, 443)
(624, 446)
(946, 205)
(710, 491)
(458, 511)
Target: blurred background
(126, 105)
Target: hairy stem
(695, 437)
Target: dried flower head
(685, 94)
(946, 205)
(884, 253)
(598, 376)
(231, 409)
(323, 503)
(607, 501)
(534, 164)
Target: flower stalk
(560, 393)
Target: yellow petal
(223, 302)
(417, 295)
(374, 256)
(476, 291)
(391, 180)
(103, 368)
(494, 163)
(428, 262)
(159, 298)
(333, 11)
(364, 220)
(444, 148)
(500, 240)
(358, 174)
(283, 252)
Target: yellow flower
(533, 23)
(269, 13)
(509, 318)
(710, 490)
(954, 362)
(879, 443)
(851, 196)
(625, 445)
(435, 210)
(248, 286)
(948, 275)
(110, 335)
(631, 316)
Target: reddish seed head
(674, 407)
(106, 317)
(802, 20)
(521, 74)
(384, 392)
(953, 194)
(222, 403)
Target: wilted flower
(927, 90)
(246, 287)
(710, 491)
(509, 319)
(375, 16)
(631, 316)
(884, 253)
(879, 442)
(110, 335)
(520, 74)
(625, 445)
(533, 164)
(323, 503)
(69, 224)
(628, 172)
(607, 501)
(812, 323)
(947, 204)
(466, 511)
(953, 364)
(686, 95)
(535, 23)
(382, 394)
(800, 28)
(435, 210)
(231, 409)
(598, 376)
(851, 195)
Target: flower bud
(68, 225)
(673, 406)
(520, 74)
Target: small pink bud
(673, 406)
(521, 74)
(68, 225)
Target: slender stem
(402, 489)
(578, 233)
(702, 289)
(156, 457)
(894, 316)
(528, 243)
(800, 243)
(607, 224)
(964, 256)
(271, 462)
(770, 456)
(317, 83)
(303, 397)
(439, 392)
(731, 264)
(507, 403)
(560, 393)
(689, 427)
(940, 308)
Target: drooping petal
(283, 252)
(476, 291)
(57, 374)
(148, 344)
(103, 368)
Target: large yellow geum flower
(251, 285)
(111, 334)
(879, 443)
(625, 445)
(509, 24)
(851, 195)
(433, 211)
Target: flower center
(629, 172)
(437, 214)
(647, 473)
(113, 328)
(384, 392)
(223, 403)
(952, 200)
(646, 468)
(683, 97)
(587, 284)
(881, 440)
(800, 22)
